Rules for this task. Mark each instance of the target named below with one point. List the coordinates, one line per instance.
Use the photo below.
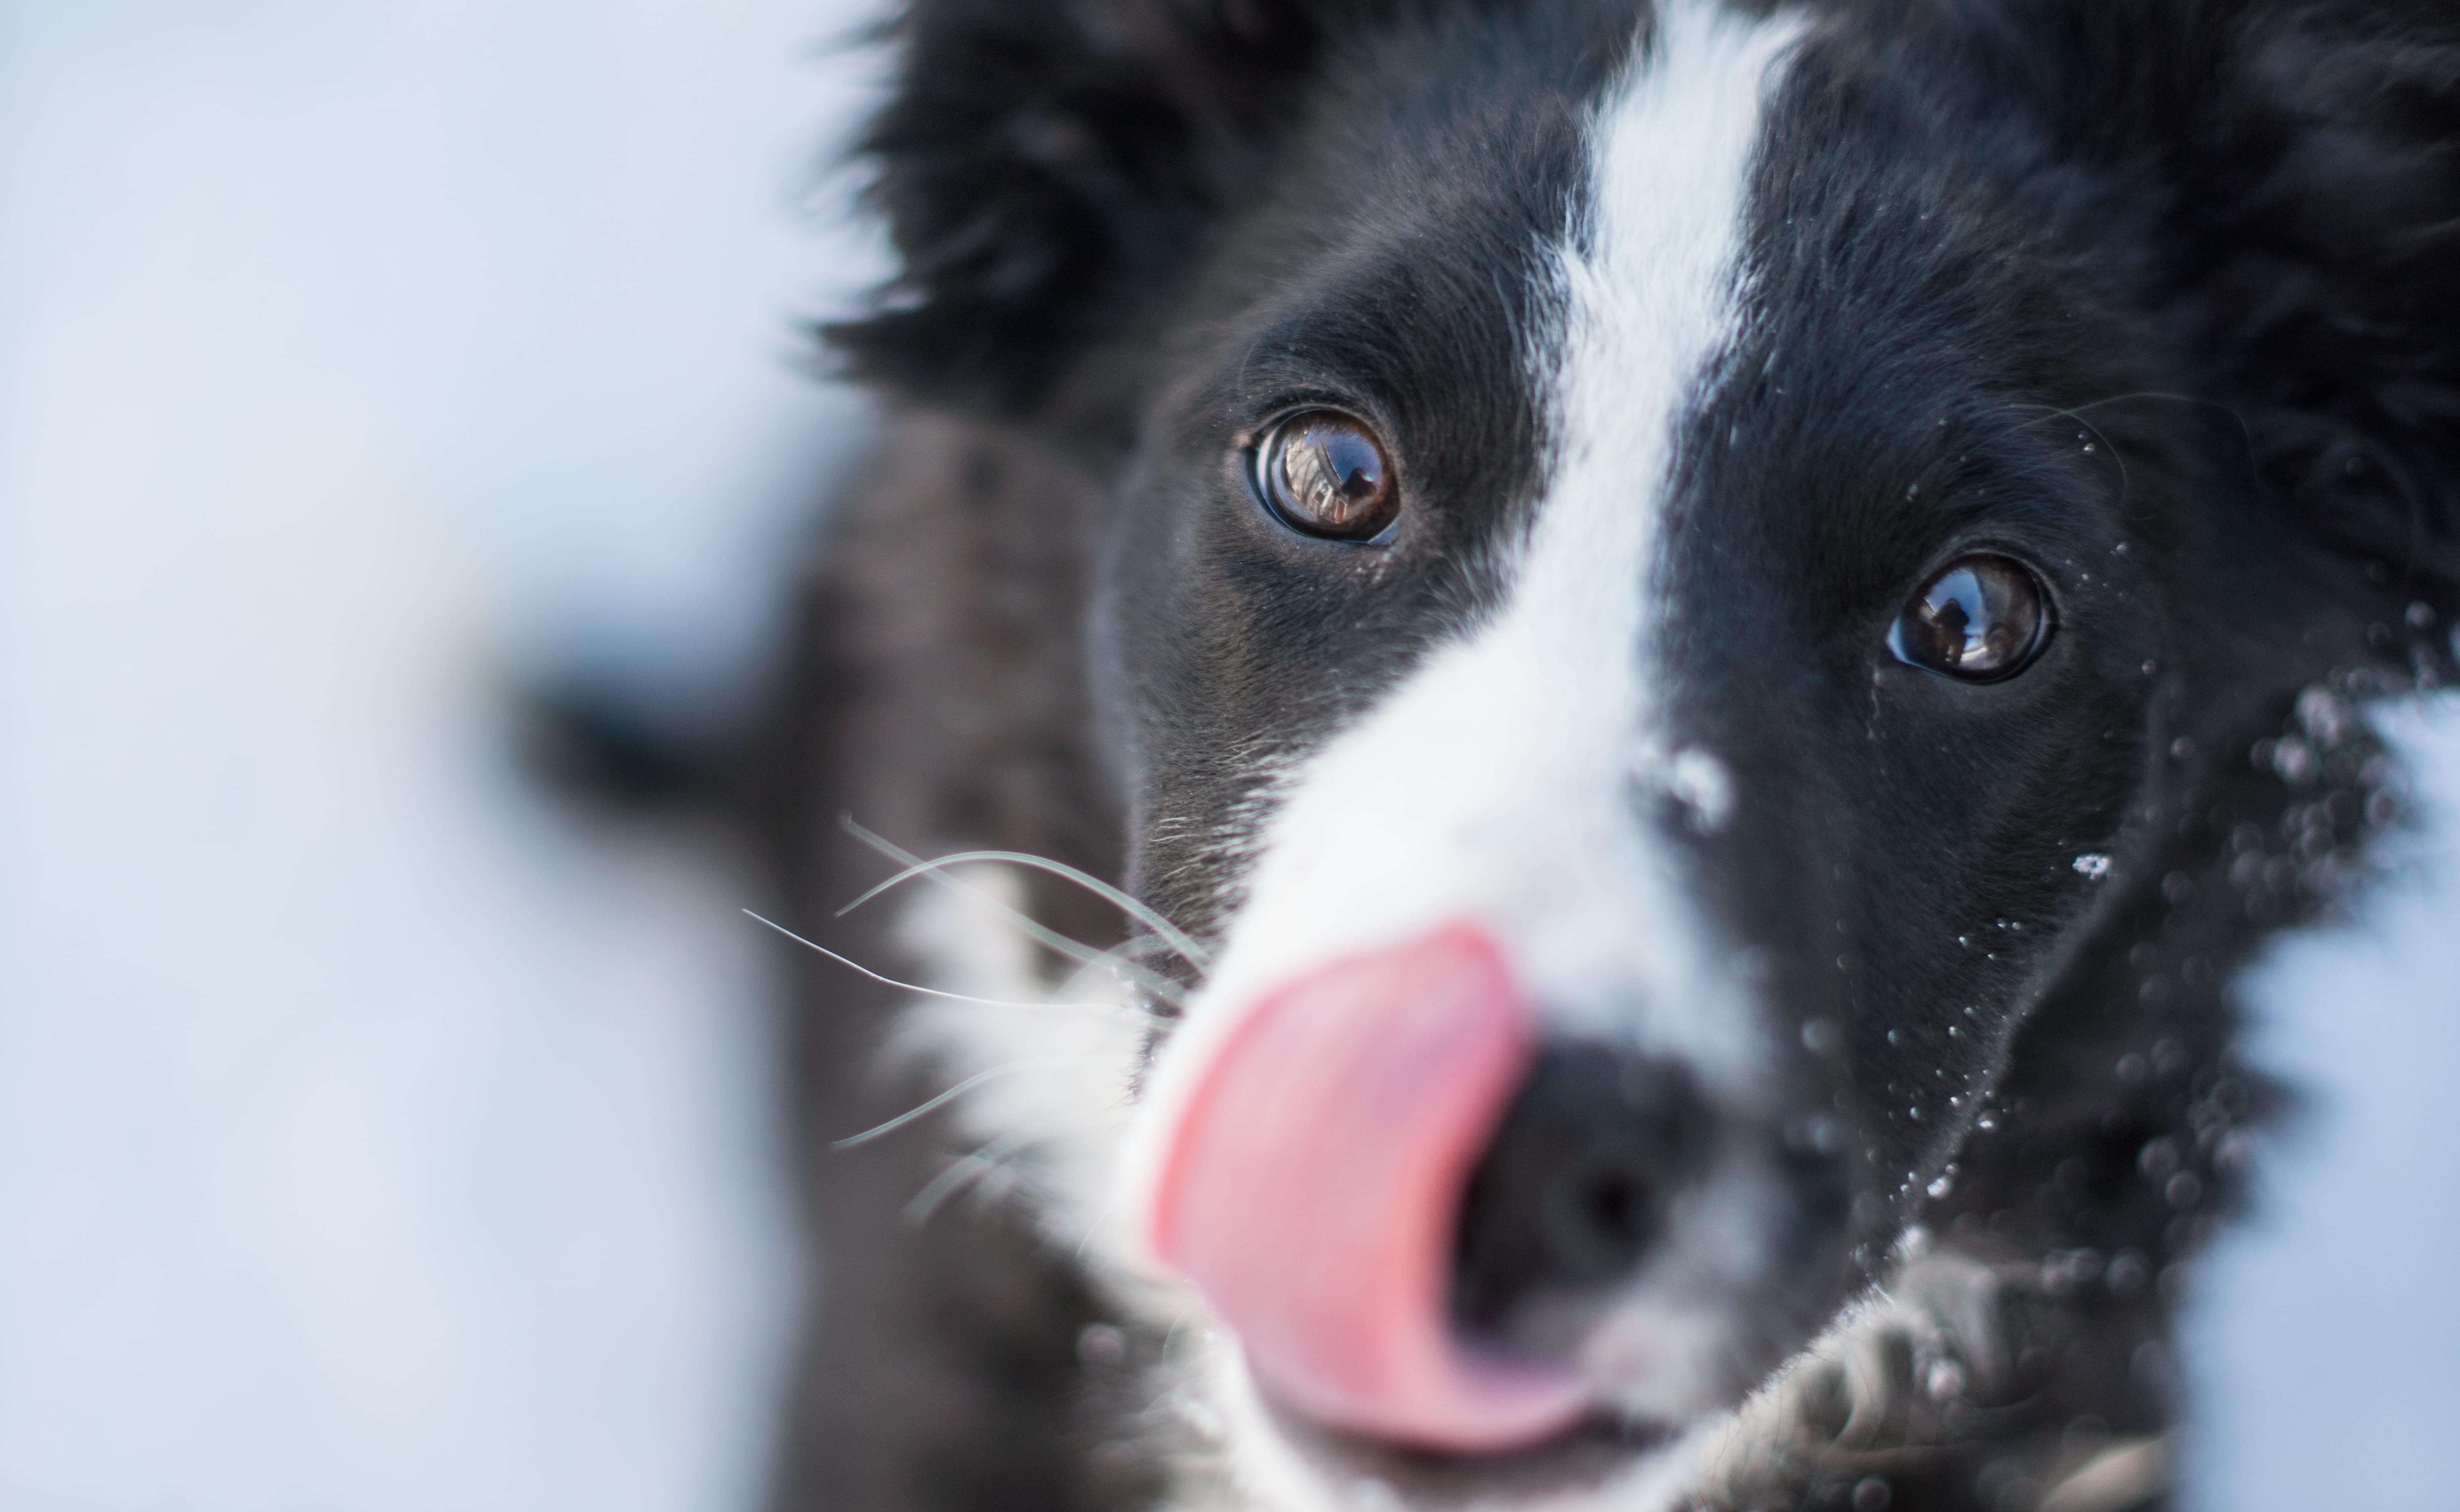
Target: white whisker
(852, 965)
(1083, 954)
(975, 1165)
(950, 1096)
(1171, 934)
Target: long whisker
(975, 1165)
(852, 965)
(1117, 964)
(1192, 954)
(1167, 990)
(935, 1104)
(2056, 412)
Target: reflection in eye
(1325, 474)
(1981, 620)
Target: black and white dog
(1703, 632)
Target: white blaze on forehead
(1508, 779)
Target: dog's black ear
(1043, 165)
(2317, 210)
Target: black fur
(1046, 168)
(2058, 276)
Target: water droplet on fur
(2150, 667)
(1102, 1346)
(1822, 1038)
(1987, 1122)
(1822, 1133)
(1698, 781)
(1870, 1494)
(1896, 1036)
(2092, 866)
(2182, 749)
(2420, 616)
(2293, 761)
(2132, 1067)
(2158, 1159)
(1945, 1381)
(2324, 717)
(2185, 1189)
(1940, 1188)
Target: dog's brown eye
(1983, 619)
(1325, 475)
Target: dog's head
(1672, 567)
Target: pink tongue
(1311, 1188)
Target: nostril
(1572, 1192)
(1601, 1212)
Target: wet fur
(2282, 190)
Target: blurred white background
(372, 1136)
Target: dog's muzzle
(1384, 1167)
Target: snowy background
(374, 1136)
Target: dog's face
(1651, 644)
(1671, 570)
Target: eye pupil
(1325, 474)
(1981, 620)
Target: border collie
(1695, 639)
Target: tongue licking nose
(1311, 1189)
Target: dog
(1580, 707)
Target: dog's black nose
(1574, 1189)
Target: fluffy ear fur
(1046, 165)
(2317, 202)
